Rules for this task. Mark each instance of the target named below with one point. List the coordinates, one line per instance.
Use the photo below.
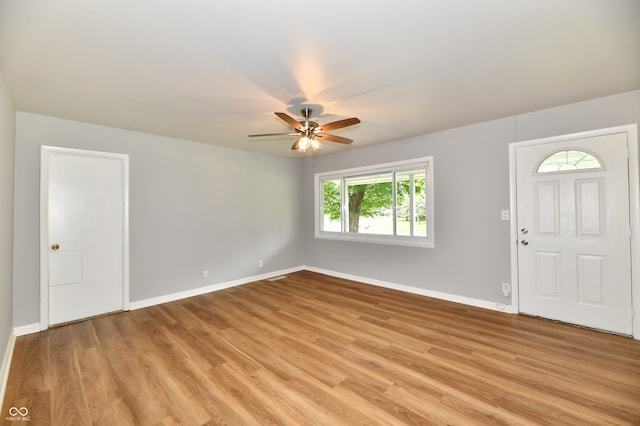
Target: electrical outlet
(260, 263)
(205, 273)
(504, 214)
(506, 289)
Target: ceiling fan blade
(273, 134)
(294, 147)
(339, 124)
(290, 120)
(334, 138)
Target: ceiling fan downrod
(306, 113)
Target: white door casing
(84, 234)
(572, 254)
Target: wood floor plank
(315, 349)
(237, 385)
(323, 396)
(101, 389)
(137, 389)
(67, 387)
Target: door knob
(525, 231)
(524, 242)
(55, 247)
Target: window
(567, 161)
(388, 203)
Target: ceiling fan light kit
(310, 132)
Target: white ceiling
(214, 71)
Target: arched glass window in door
(569, 160)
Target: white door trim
(634, 214)
(44, 223)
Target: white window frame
(397, 166)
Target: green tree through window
(372, 196)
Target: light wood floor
(316, 350)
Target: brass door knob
(55, 247)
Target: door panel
(85, 229)
(590, 197)
(547, 274)
(590, 284)
(574, 250)
(65, 267)
(547, 208)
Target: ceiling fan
(310, 132)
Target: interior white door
(574, 242)
(86, 234)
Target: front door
(574, 242)
(84, 239)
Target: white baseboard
(207, 289)
(27, 329)
(6, 363)
(479, 303)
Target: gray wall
(471, 165)
(192, 206)
(7, 145)
(187, 212)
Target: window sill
(392, 240)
